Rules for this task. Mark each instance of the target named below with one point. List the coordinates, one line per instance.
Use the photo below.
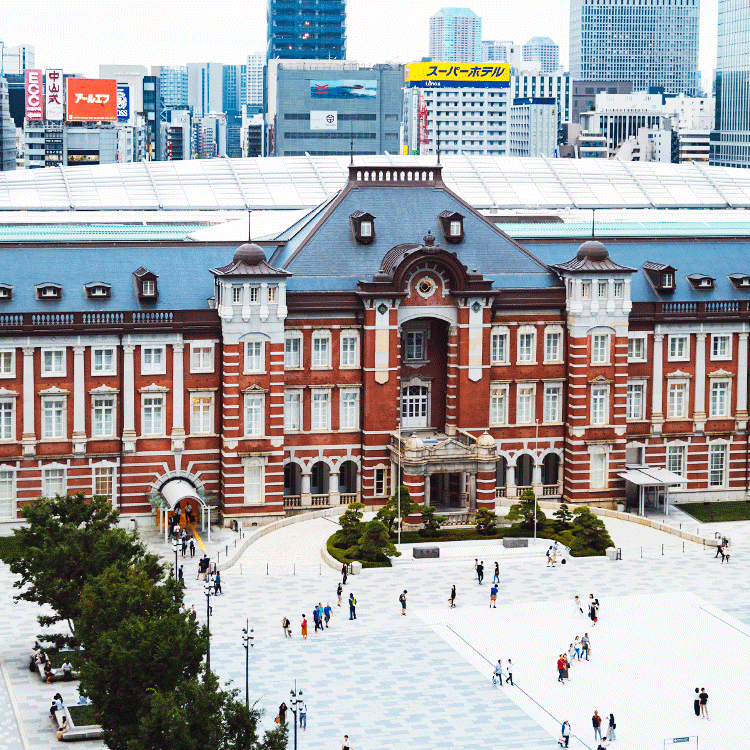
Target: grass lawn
(83, 716)
(8, 545)
(58, 659)
(735, 510)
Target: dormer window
(363, 227)
(452, 224)
(740, 280)
(667, 280)
(661, 276)
(98, 290)
(48, 290)
(6, 291)
(145, 284)
(701, 281)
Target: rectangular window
(103, 416)
(272, 293)
(677, 400)
(292, 411)
(254, 356)
(380, 486)
(149, 288)
(153, 415)
(253, 485)
(7, 421)
(599, 404)
(7, 364)
(552, 349)
(321, 350)
(619, 289)
(292, 352)
(103, 480)
(103, 361)
(321, 410)
(254, 295)
(152, 359)
(598, 471)
(676, 459)
(525, 405)
(721, 346)
(349, 409)
(254, 415)
(586, 290)
(600, 349)
(415, 346)
(237, 294)
(53, 482)
(499, 347)
(637, 349)
(7, 496)
(719, 400)
(553, 402)
(602, 289)
(53, 418)
(526, 346)
(678, 348)
(53, 362)
(202, 413)
(635, 401)
(717, 465)
(349, 350)
(201, 358)
(499, 405)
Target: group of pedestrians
(700, 704)
(723, 549)
(552, 553)
(577, 650)
(497, 674)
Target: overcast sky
(79, 35)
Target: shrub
(351, 525)
(486, 520)
(430, 522)
(590, 535)
(374, 544)
(390, 511)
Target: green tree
(69, 540)
(590, 535)
(351, 525)
(485, 521)
(390, 511)
(563, 514)
(374, 545)
(523, 515)
(431, 523)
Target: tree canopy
(389, 513)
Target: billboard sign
(344, 89)
(320, 120)
(34, 95)
(53, 94)
(123, 103)
(92, 100)
(452, 75)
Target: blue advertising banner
(123, 103)
(344, 89)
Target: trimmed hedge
(339, 553)
(451, 535)
(9, 545)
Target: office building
(306, 30)
(329, 108)
(152, 111)
(583, 95)
(131, 76)
(730, 140)
(254, 85)
(234, 88)
(252, 133)
(205, 88)
(16, 60)
(542, 50)
(49, 144)
(456, 35)
(210, 135)
(177, 134)
(7, 131)
(652, 43)
(545, 86)
(173, 85)
(501, 51)
(532, 127)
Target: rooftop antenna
(249, 233)
(593, 217)
(351, 145)
(438, 145)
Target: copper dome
(593, 250)
(250, 254)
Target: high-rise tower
(306, 29)
(456, 35)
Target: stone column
(699, 410)
(79, 400)
(657, 414)
(510, 480)
(358, 486)
(178, 397)
(305, 494)
(536, 479)
(28, 439)
(486, 487)
(741, 412)
(462, 489)
(334, 497)
(128, 399)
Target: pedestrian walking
(719, 545)
(493, 596)
(566, 673)
(452, 599)
(585, 645)
(344, 573)
(697, 701)
(180, 573)
(577, 648)
(346, 745)
(549, 557)
(193, 615)
(476, 567)
(184, 545)
(316, 619)
(497, 675)
(480, 572)
(560, 669)
(725, 552)
(577, 608)
(510, 672)
(402, 599)
(339, 591)
(304, 628)
(287, 626)
(704, 703)
(496, 579)
(191, 543)
(282, 713)
(217, 584)
(596, 721)
(565, 733)
(302, 710)
(611, 728)
(352, 607)
(327, 613)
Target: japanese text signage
(452, 75)
(34, 95)
(91, 100)
(53, 90)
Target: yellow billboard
(449, 74)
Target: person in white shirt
(303, 715)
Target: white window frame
(522, 351)
(202, 356)
(102, 368)
(600, 348)
(499, 345)
(103, 409)
(148, 351)
(238, 294)
(150, 402)
(57, 365)
(254, 294)
(106, 472)
(718, 410)
(148, 287)
(498, 404)
(585, 290)
(380, 482)
(552, 413)
(7, 363)
(254, 484)
(619, 290)
(635, 387)
(636, 342)
(202, 413)
(61, 473)
(599, 404)
(552, 335)
(349, 358)
(54, 429)
(602, 285)
(525, 394)
(255, 415)
(255, 357)
(272, 293)
(348, 417)
(419, 345)
(672, 388)
(320, 354)
(716, 449)
(676, 450)
(673, 347)
(7, 425)
(7, 492)
(598, 470)
(320, 418)
(716, 338)
(292, 396)
(295, 337)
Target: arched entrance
(179, 493)
(551, 469)
(524, 471)
(319, 483)
(348, 481)
(501, 473)
(292, 483)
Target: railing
(110, 320)
(468, 438)
(319, 499)
(501, 492)
(348, 497)
(292, 501)
(664, 310)
(551, 489)
(521, 487)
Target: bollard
(295, 569)
(266, 568)
(683, 548)
(641, 551)
(227, 550)
(662, 549)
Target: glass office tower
(456, 35)
(651, 43)
(306, 29)
(730, 140)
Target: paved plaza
(668, 623)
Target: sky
(79, 35)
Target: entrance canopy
(644, 476)
(176, 490)
(179, 489)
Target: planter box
(423, 553)
(511, 543)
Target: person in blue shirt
(352, 607)
(327, 612)
(493, 596)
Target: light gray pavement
(387, 681)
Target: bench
(57, 675)
(74, 733)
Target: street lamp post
(247, 642)
(175, 547)
(295, 698)
(207, 592)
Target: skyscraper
(306, 29)
(254, 87)
(205, 88)
(456, 35)
(651, 44)
(7, 131)
(173, 82)
(543, 50)
(234, 88)
(730, 140)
